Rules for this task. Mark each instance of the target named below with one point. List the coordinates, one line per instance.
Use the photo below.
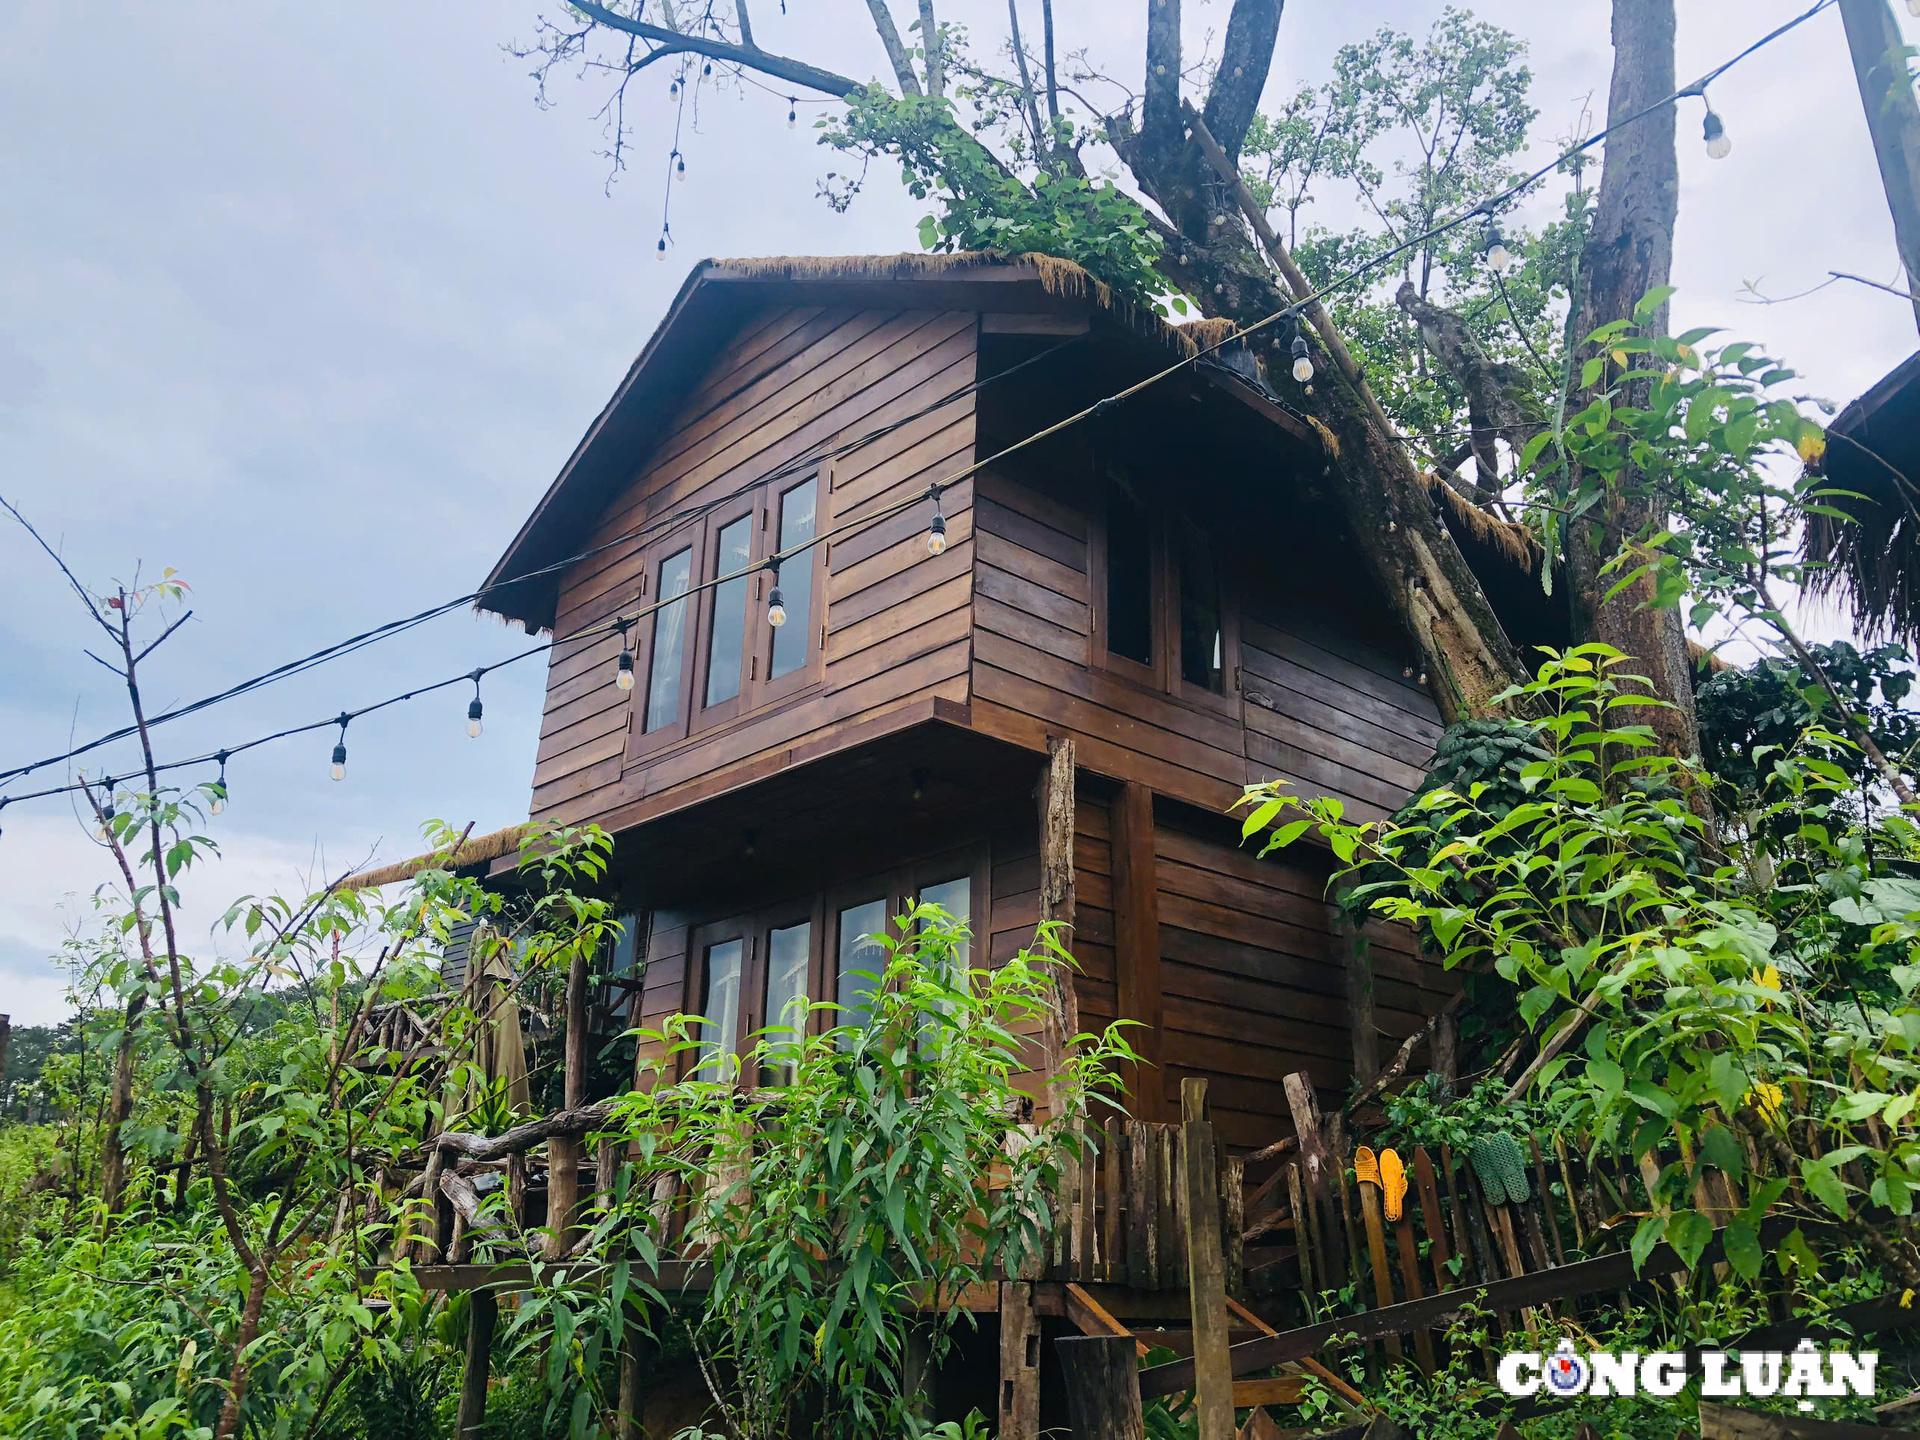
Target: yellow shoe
(1393, 1180)
(1365, 1167)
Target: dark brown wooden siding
(794, 382)
(1254, 982)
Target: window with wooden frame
(708, 655)
(765, 970)
(1163, 614)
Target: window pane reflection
(788, 950)
(861, 927)
(796, 580)
(1202, 658)
(669, 641)
(728, 637)
(721, 1007)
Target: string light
(104, 830)
(673, 89)
(339, 767)
(1302, 352)
(679, 166)
(473, 707)
(623, 669)
(1499, 258)
(937, 530)
(793, 115)
(1719, 143)
(661, 248)
(776, 602)
(217, 802)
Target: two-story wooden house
(1162, 583)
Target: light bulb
(623, 672)
(679, 167)
(473, 719)
(1498, 257)
(339, 767)
(1719, 143)
(793, 117)
(661, 249)
(104, 830)
(776, 608)
(937, 534)
(218, 804)
(1302, 368)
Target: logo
(1566, 1373)
(1802, 1375)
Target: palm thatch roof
(477, 851)
(1871, 558)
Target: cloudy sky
(310, 302)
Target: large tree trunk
(1893, 118)
(113, 1151)
(1629, 253)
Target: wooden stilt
(1019, 1362)
(564, 1153)
(1103, 1386)
(1136, 946)
(483, 1311)
(1206, 1267)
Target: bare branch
(746, 25)
(896, 52)
(1245, 58)
(1053, 77)
(797, 72)
(930, 43)
(1029, 106)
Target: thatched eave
(478, 851)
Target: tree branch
(896, 52)
(749, 57)
(1245, 58)
(746, 25)
(1053, 78)
(1029, 105)
(931, 47)
(1160, 129)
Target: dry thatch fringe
(1871, 560)
(1061, 278)
(473, 852)
(1515, 543)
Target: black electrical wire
(1100, 407)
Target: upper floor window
(711, 653)
(1166, 621)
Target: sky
(310, 303)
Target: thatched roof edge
(471, 852)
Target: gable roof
(719, 295)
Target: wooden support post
(483, 1310)
(636, 1350)
(565, 1152)
(1206, 1266)
(1056, 874)
(1316, 1172)
(1103, 1386)
(1356, 961)
(1136, 946)
(1019, 1362)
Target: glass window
(727, 636)
(720, 1007)
(955, 897)
(797, 523)
(626, 946)
(862, 959)
(788, 950)
(1129, 578)
(669, 640)
(1202, 650)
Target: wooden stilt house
(1162, 584)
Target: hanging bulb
(473, 706)
(793, 115)
(1302, 352)
(339, 767)
(937, 534)
(1423, 677)
(623, 671)
(661, 248)
(1406, 672)
(707, 69)
(1719, 143)
(679, 166)
(1499, 258)
(673, 89)
(217, 803)
(104, 830)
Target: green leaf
(1688, 1232)
(1825, 1186)
(1741, 1241)
(1651, 1231)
